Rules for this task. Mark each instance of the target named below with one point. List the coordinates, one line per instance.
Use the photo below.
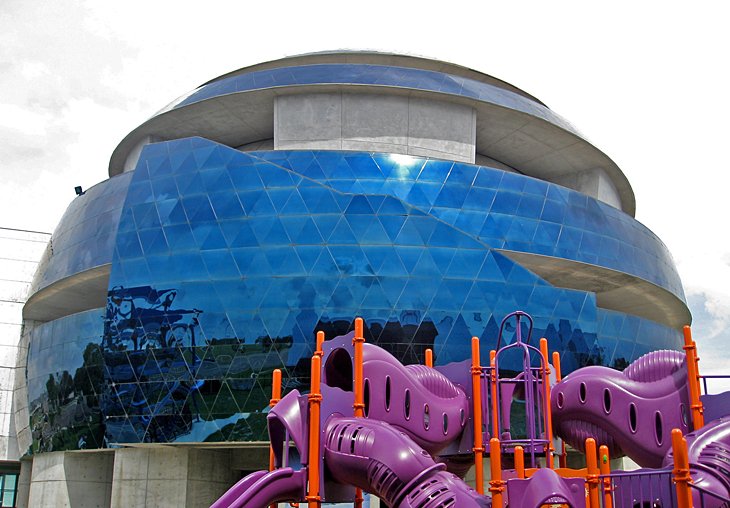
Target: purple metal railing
(708, 499)
(705, 378)
(639, 489)
(652, 489)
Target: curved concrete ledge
(82, 291)
(523, 141)
(614, 290)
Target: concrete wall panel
(375, 123)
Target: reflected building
(291, 196)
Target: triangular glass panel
(294, 205)
(308, 256)
(279, 197)
(342, 234)
(276, 234)
(374, 234)
(325, 265)
(490, 270)
(393, 288)
(274, 177)
(216, 180)
(183, 163)
(426, 267)
(392, 206)
(189, 184)
(409, 256)
(408, 234)
(226, 205)
(392, 225)
(359, 205)
(326, 223)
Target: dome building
(289, 197)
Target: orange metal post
(496, 483)
(476, 389)
(556, 366)
(275, 397)
(357, 341)
(429, 357)
(495, 412)
(592, 473)
(681, 474)
(520, 461)
(320, 341)
(315, 399)
(548, 412)
(693, 378)
(604, 465)
(359, 405)
(563, 459)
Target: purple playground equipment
(632, 412)
(409, 433)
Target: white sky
(647, 82)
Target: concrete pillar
(209, 476)
(73, 479)
(169, 477)
(593, 182)
(24, 478)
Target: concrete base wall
(139, 477)
(73, 479)
(375, 123)
(174, 477)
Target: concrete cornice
(82, 291)
(614, 290)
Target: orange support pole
(681, 474)
(520, 462)
(315, 399)
(495, 404)
(359, 405)
(496, 483)
(429, 357)
(592, 474)
(476, 390)
(693, 378)
(563, 459)
(320, 341)
(604, 465)
(275, 397)
(550, 448)
(556, 366)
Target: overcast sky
(646, 82)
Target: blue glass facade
(66, 377)
(224, 264)
(227, 263)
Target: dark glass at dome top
(382, 75)
(85, 235)
(226, 264)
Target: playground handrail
(712, 495)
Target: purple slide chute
(632, 412)
(378, 458)
(708, 450)
(262, 488)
